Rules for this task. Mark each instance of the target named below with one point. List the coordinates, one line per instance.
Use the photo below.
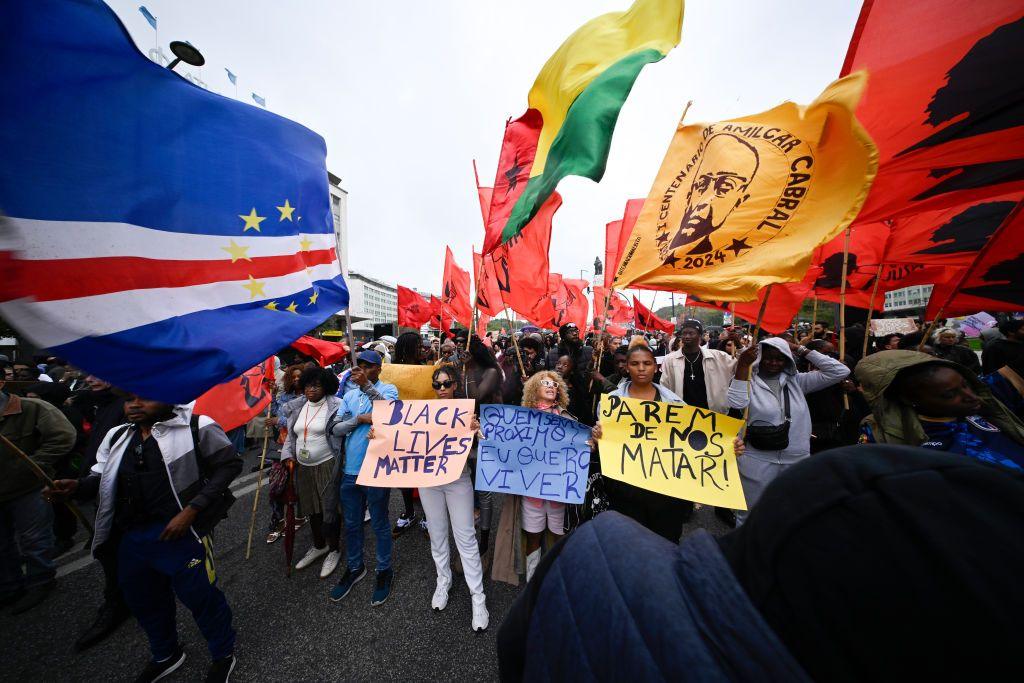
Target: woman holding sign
(453, 503)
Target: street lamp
(184, 51)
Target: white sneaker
(330, 563)
(481, 618)
(532, 560)
(440, 599)
(311, 556)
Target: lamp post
(184, 51)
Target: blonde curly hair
(531, 391)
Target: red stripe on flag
(57, 279)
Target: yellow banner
(670, 448)
(412, 381)
(738, 205)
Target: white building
(908, 297)
(371, 301)
(339, 210)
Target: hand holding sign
(418, 444)
(673, 449)
(532, 453)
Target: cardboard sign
(418, 444)
(883, 326)
(671, 448)
(412, 381)
(532, 453)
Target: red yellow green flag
(738, 205)
(573, 107)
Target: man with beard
(570, 344)
(719, 186)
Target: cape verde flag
(157, 235)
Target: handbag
(770, 437)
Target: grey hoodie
(766, 409)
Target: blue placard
(532, 453)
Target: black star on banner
(671, 260)
(662, 238)
(512, 175)
(737, 246)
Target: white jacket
(766, 409)
(719, 368)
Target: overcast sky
(408, 93)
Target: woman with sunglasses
(664, 515)
(453, 504)
(545, 391)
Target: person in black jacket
(162, 482)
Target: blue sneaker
(383, 589)
(349, 579)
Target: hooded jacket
(893, 421)
(197, 479)
(766, 409)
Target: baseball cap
(371, 357)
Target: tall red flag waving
(413, 310)
(455, 292)
(568, 300)
(235, 402)
(646, 320)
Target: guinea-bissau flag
(645, 319)
(413, 310)
(741, 204)
(573, 107)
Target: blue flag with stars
(155, 234)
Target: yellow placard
(671, 448)
(412, 381)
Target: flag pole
(259, 482)
(42, 475)
(842, 308)
(515, 343)
(871, 310)
(750, 375)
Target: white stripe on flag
(51, 323)
(42, 240)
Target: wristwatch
(802, 350)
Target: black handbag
(770, 437)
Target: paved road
(287, 628)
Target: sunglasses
(442, 385)
(548, 383)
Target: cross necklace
(691, 363)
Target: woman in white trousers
(453, 504)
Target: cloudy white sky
(408, 93)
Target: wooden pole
(842, 308)
(871, 310)
(515, 344)
(259, 483)
(814, 315)
(45, 478)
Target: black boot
(485, 541)
(107, 620)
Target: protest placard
(670, 448)
(412, 381)
(418, 444)
(883, 326)
(532, 453)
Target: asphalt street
(287, 628)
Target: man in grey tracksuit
(772, 369)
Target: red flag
(488, 296)
(413, 310)
(234, 403)
(616, 238)
(646, 320)
(867, 249)
(518, 149)
(323, 351)
(435, 312)
(784, 301)
(520, 267)
(568, 301)
(455, 292)
(994, 282)
(619, 311)
(944, 101)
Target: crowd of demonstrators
(799, 400)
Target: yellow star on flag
(286, 211)
(237, 252)
(271, 306)
(255, 288)
(291, 308)
(305, 243)
(312, 299)
(252, 220)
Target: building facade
(339, 211)
(371, 301)
(907, 298)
